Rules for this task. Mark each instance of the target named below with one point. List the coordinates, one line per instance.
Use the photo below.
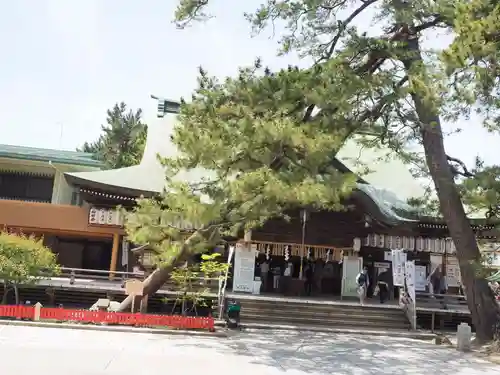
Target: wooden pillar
(114, 255)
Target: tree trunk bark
(5, 292)
(161, 275)
(16, 293)
(480, 299)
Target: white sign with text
(398, 267)
(244, 268)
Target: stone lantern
(145, 257)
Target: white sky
(65, 62)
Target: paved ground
(45, 351)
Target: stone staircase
(322, 315)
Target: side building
(36, 198)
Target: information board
(244, 268)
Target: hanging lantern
(268, 252)
(328, 255)
(356, 245)
(411, 245)
(287, 252)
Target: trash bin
(233, 309)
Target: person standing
(264, 275)
(363, 283)
(276, 278)
(308, 272)
(318, 276)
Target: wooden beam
(114, 255)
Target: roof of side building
(49, 155)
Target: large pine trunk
(161, 275)
(480, 299)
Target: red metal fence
(59, 314)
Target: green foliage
(481, 191)
(123, 140)
(24, 260)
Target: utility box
(232, 315)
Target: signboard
(105, 216)
(351, 267)
(410, 279)
(420, 278)
(134, 287)
(398, 267)
(244, 268)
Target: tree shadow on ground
(318, 353)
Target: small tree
(24, 260)
(191, 281)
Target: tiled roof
(46, 155)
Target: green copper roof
(48, 155)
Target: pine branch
(456, 164)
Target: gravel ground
(48, 351)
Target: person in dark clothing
(383, 285)
(308, 271)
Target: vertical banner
(420, 278)
(453, 277)
(398, 267)
(410, 288)
(410, 279)
(223, 282)
(244, 268)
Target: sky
(65, 62)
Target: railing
(442, 304)
(74, 275)
(83, 273)
(447, 301)
(102, 317)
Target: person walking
(363, 283)
(383, 285)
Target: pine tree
(267, 140)
(123, 139)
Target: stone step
(339, 308)
(333, 314)
(332, 323)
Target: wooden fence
(99, 317)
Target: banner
(398, 267)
